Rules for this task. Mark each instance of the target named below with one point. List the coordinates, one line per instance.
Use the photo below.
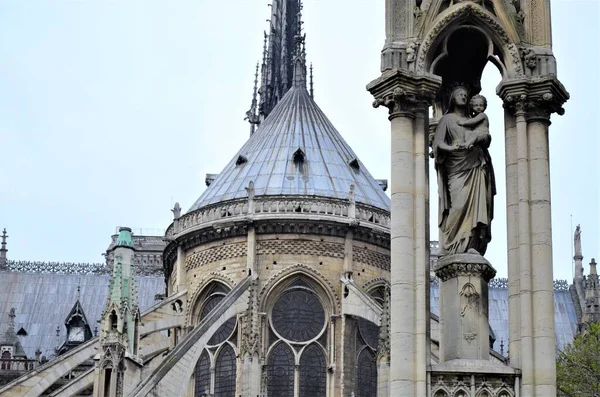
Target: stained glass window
(313, 372)
(369, 332)
(366, 374)
(225, 372)
(298, 315)
(280, 372)
(202, 375)
(223, 333)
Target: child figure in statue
(479, 121)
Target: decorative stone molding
(301, 269)
(300, 247)
(459, 383)
(489, 21)
(464, 265)
(215, 254)
(402, 92)
(371, 258)
(56, 267)
(376, 282)
(536, 97)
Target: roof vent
(299, 156)
(241, 160)
(383, 184)
(210, 178)
(354, 164)
(22, 332)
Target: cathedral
(295, 275)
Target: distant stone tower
(431, 48)
(119, 333)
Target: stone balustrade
(268, 205)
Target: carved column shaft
(404, 95)
(531, 101)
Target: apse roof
(295, 151)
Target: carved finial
(57, 330)
(502, 346)
(78, 291)
(383, 347)
(252, 113)
(3, 249)
(176, 211)
(299, 78)
(250, 190)
(312, 92)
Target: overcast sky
(110, 111)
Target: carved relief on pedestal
(470, 311)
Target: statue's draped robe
(466, 189)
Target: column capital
(404, 92)
(534, 98)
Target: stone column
(402, 92)
(531, 101)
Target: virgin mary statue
(466, 184)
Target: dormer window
(299, 158)
(354, 164)
(241, 160)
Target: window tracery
(298, 329)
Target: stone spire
(299, 77)
(591, 311)
(3, 250)
(252, 114)
(120, 317)
(280, 42)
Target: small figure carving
(250, 190)
(351, 194)
(577, 240)
(529, 58)
(411, 52)
(176, 211)
(478, 121)
(469, 301)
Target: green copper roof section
(124, 239)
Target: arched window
(366, 374)
(313, 372)
(367, 339)
(6, 356)
(221, 344)
(203, 375)
(298, 327)
(225, 372)
(280, 371)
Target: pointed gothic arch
(470, 14)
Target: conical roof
(295, 151)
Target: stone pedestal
(464, 306)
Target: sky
(111, 111)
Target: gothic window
(220, 348)
(280, 371)
(313, 372)
(203, 375)
(298, 315)
(366, 374)
(5, 360)
(297, 335)
(367, 338)
(225, 372)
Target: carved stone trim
(376, 282)
(488, 20)
(452, 266)
(308, 271)
(536, 97)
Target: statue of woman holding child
(466, 183)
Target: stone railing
(277, 205)
(502, 283)
(17, 364)
(56, 267)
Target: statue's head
(459, 97)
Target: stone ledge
(463, 366)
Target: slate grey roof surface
(295, 123)
(43, 301)
(565, 319)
